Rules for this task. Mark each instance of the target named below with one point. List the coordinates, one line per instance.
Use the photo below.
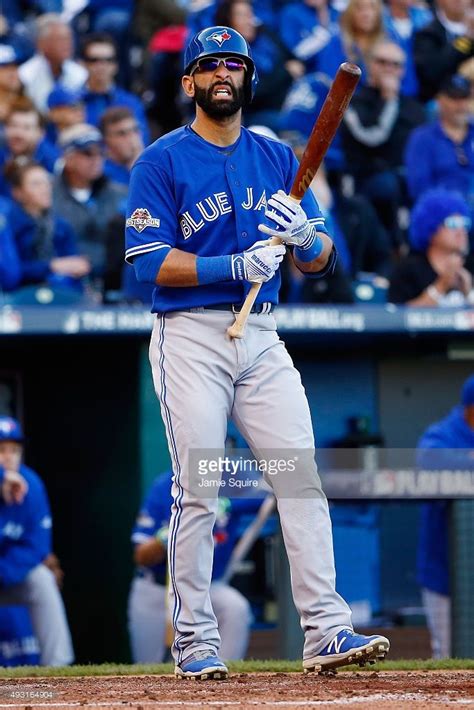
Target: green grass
(109, 669)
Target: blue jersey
(25, 531)
(447, 444)
(303, 35)
(18, 644)
(207, 200)
(156, 511)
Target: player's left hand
(14, 487)
(292, 225)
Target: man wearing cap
(434, 273)
(10, 84)
(446, 445)
(25, 543)
(441, 153)
(84, 196)
(66, 109)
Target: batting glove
(162, 535)
(292, 223)
(259, 263)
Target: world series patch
(141, 219)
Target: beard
(215, 108)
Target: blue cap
(8, 55)
(60, 96)
(467, 396)
(10, 429)
(456, 86)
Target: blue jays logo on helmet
(222, 41)
(10, 429)
(220, 37)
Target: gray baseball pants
(39, 592)
(202, 378)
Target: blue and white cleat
(202, 665)
(345, 648)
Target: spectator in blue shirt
(402, 18)
(441, 153)
(446, 445)
(307, 27)
(25, 137)
(65, 109)
(99, 55)
(123, 142)
(46, 244)
(25, 543)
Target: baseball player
(25, 544)
(198, 196)
(147, 602)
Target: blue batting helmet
(10, 430)
(222, 42)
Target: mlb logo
(220, 37)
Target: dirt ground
(388, 689)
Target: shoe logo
(337, 644)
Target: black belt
(266, 307)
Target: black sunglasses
(210, 64)
(96, 60)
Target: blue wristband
(311, 252)
(212, 269)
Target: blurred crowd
(86, 85)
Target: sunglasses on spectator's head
(455, 221)
(210, 64)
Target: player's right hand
(14, 487)
(258, 263)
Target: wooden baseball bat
(324, 130)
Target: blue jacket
(10, 266)
(95, 104)
(116, 173)
(445, 437)
(155, 513)
(25, 531)
(34, 270)
(303, 35)
(440, 166)
(302, 105)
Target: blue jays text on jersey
(207, 200)
(25, 531)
